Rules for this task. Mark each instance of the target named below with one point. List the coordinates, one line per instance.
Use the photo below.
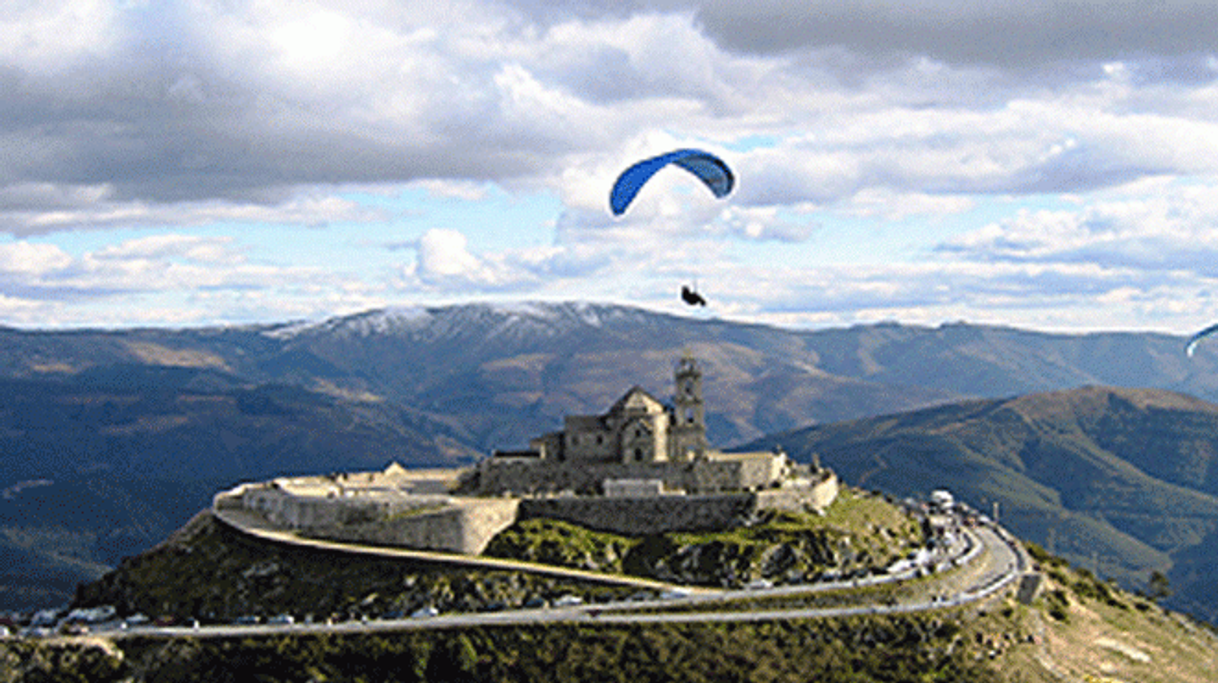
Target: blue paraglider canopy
(708, 168)
(1191, 345)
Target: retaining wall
(539, 475)
(634, 516)
(464, 528)
(649, 515)
(463, 524)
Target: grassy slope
(1119, 480)
(1085, 629)
(858, 530)
(1080, 629)
(210, 572)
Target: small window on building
(638, 433)
(600, 439)
(638, 454)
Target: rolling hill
(105, 464)
(504, 373)
(165, 416)
(1124, 481)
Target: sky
(1043, 164)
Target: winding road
(993, 561)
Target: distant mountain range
(1121, 481)
(113, 418)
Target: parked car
(568, 601)
(282, 620)
(425, 612)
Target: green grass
(219, 575)
(875, 650)
(859, 530)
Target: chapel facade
(638, 438)
(638, 428)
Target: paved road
(998, 562)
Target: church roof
(635, 400)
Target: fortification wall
(640, 515)
(313, 512)
(528, 476)
(465, 527)
(800, 498)
(486, 518)
(535, 475)
(649, 515)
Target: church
(637, 428)
(638, 444)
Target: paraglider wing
(708, 168)
(1196, 338)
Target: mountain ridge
(1123, 478)
(463, 380)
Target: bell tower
(689, 418)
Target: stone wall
(734, 472)
(649, 515)
(801, 498)
(465, 527)
(298, 511)
(635, 516)
(463, 524)
(633, 488)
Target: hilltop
(1081, 628)
(127, 432)
(1124, 481)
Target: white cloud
(89, 208)
(50, 35)
(445, 263)
(898, 206)
(31, 258)
(1175, 229)
(443, 253)
(166, 116)
(189, 247)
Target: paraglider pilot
(691, 297)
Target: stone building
(642, 467)
(638, 438)
(636, 429)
